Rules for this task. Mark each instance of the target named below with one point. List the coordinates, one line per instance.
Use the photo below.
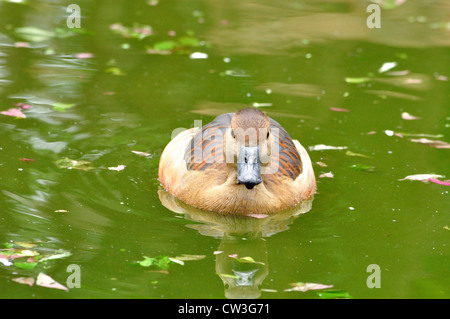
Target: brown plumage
(201, 166)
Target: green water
(299, 61)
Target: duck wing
(285, 160)
(206, 147)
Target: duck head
(247, 145)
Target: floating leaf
(26, 244)
(147, 262)
(189, 41)
(268, 290)
(141, 153)
(247, 259)
(421, 177)
(357, 80)
(413, 81)
(26, 258)
(117, 168)
(434, 180)
(84, 55)
(138, 31)
(386, 93)
(398, 73)
(334, 294)
(228, 276)
(5, 262)
(14, 113)
(15, 1)
(409, 117)
(161, 262)
(322, 147)
(67, 163)
(420, 135)
(177, 261)
(185, 257)
(362, 167)
(34, 34)
(158, 52)
(55, 256)
(22, 44)
(182, 45)
(328, 175)
(62, 107)
(338, 109)
(431, 143)
(165, 45)
(350, 153)
(387, 66)
(44, 280)
(63, 33)
(441, 77)
(152, 2)
(24, 253)
(115, 71)
(23, 106)
(302, 286)
(25, 265)
(24, 280)
(236, 73)
(27, 160)
(198, 55)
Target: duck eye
(268, 133)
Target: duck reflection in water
(245, 178)
(242, 256)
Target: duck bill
(249, 167)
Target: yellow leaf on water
(185, 257)
(24, 280)
(305, 286)
(44, 280)
(25, 244)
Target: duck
(240, 163)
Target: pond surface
(93, 108)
